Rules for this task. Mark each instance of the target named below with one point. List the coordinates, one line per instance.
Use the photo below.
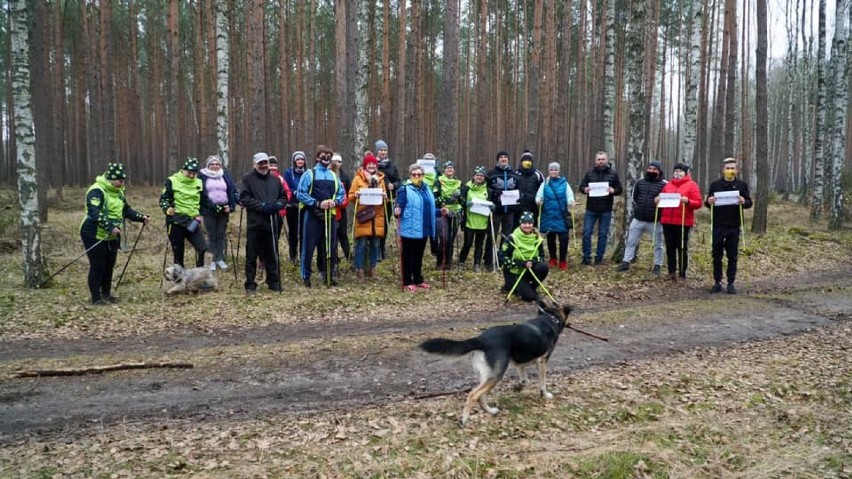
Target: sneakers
(111, 299)
(587, 261)
(276, 288)
(307, 282)
(598, 261)
(411, 288)
(100, 302)
(731, 289)
(552, 262)
(359, 273)
(477, 268)
(251, 292)
(624, 266)
(563, 266)
(212, 266)
(220, 265)
(372, 273)
(424, 285)
(656, 271)
(717, 287)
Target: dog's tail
(451, 347)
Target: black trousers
(448, 228)
(504, 223)
(527, 286)
(726, 240)
(343, 234)
(262, 244)
(412, 260)
(178, 234)
(476, 238)
(677, 258)
(563, 245)
(294, 230)
(101, 265)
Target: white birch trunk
(636, 86)
(838, 147)
(35, 268)
(819, 128)
(609, 82)
(360, 127)
(792, 49)
(222, 67)
(690, 113)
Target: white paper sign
(599, 189)
(427, 165)
(370, 196)
(481, 207)
(510, 197)
(669, 200)
(725, 198)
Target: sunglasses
(416, 175)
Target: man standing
(645, 217)
(320, 192)
(392, 181)
(598, 207)
(184, 201)
(529, 180)
(502, 182)
(726, 220)
(263, 197)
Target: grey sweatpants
(635, 233)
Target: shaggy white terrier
(189, 280)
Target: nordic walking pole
(654, 232)
(682, 239)
(274, 251)
(742, 225)
(444, 252)
(495, 261)
(328, 247)
(542, 285)
(166, 253)
(512, 291)
(401, 274)
(355, 216)
(538, 226)
(130, 256)
(237, 251)
(72, 262)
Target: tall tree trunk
(107, 86)
(257, 92)
(718, 127)
(399, 103)
(42, 96)
(173, 80)
(731, 91)
(361, 79)
(222, 68)
(35, 267)
(840, 96)
(609, 81)
(792, 49)
(534, 48)
(759, 222)
(696, 17)
(341, 79)
(819, 127)
(448, 120)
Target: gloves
(492, 206)
(268, 208)
(469, 204)
(456, 195)
(278, 205)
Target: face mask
(651, 175)
(678, 174)
(730, 175)
(416, 181)
(526, 164)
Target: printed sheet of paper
(427, 165)
(510, 197)
(725, 198)
(599, 189)
(481, 207)
(370, 196)
(669, 200)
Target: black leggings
(476, 238)
(673, 248)
(563, 245)
(178, 234)
(101, 264)
(412, 260)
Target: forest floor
(329, 383)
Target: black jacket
(391, 175)
(498, 181)
(528, 183)
(644, 193)
(601, 204)
(728, 215)
(256, 191)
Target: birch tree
(448, 119)
(35, 268)
(819, 141)
(838, 147)
(222, 67)
(609, 81)
(690, 113)
(360, 133)
(792, 50)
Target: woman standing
(448, 227)
(184, 200)
(106, 207)
(555, 199)
(369, 219)
(417, 213)
(223, 195)
(677, 222)
(475, 224)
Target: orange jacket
(375, 226)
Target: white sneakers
(219, 264)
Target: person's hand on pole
(170, 211)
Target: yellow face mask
(730, 175)
(416, 181)
(526, 164)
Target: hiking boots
(624, 266)
(307, 282)
(731, 289)
(717, 287)
(656, 271)
(552, 262)
(598, 261)
(672, 277)
(372, 273)
(563, 266)
(587, 261)
(359, 273)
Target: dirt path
(329, 374)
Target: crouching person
(522, 257)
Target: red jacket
(283, 212)
(685, 214)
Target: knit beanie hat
(369, 158)
(381, 145)
(115, 171)
(681, 166)
(502, 153)
(296, 155)
(449, 164)
(527, 217)
(554, 166)
(527, 156)
(656, 164)
(212, 159)
(191, 164)
(479, 170)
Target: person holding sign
(678, 220)
(477, 210)
(601, 184)
(556, 200)
(522, 257)
(645, 217)
(368, 193)
(727, 198)
(503, 192)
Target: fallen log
(35, 373)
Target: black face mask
(651, 176)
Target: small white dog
(189, 280)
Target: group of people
(521, 209)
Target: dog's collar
(550, 316)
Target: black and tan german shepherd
(497, 347)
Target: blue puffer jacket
(417, 204)
(556, 194)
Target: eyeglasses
(416, 175)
